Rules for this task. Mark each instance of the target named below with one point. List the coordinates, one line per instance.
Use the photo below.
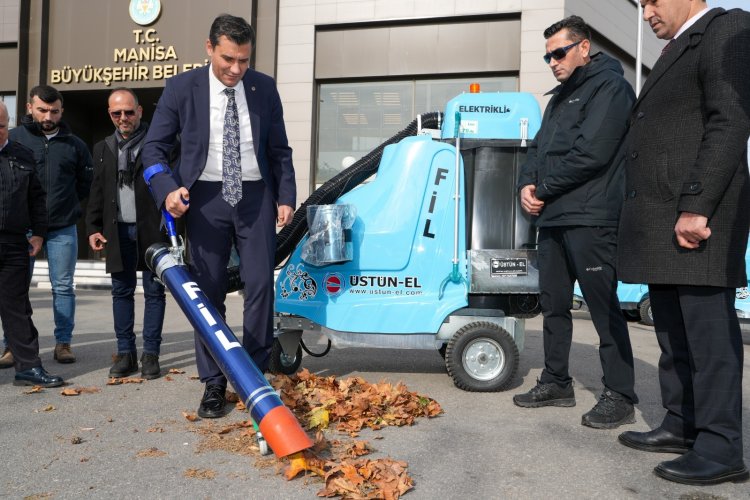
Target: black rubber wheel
(631, 314)
(481, 357)
(281, 363)
(647, 317)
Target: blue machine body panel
(402, 239)
(492, 115)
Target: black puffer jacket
(575, 160)
(22, 202)
(64, 167)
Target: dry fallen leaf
(168, 378)
(200, 473)
(70, 391)
(232, 397)
(155, 429)
(125, 380)
(34, 390)
(175, 371)
(150, 452)
(46, 408)
(304, 461)
(192, 417)
(76, 440)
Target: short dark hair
(46, 93)
(124, 89)
(575, 25)
(235, 28)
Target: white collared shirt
(218, 105)
(690, 22)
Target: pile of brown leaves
(351, 403)
(360, 478)
(348, 405)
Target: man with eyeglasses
(573, 185)
(122, 219)
(63, 164)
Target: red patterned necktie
(667, 47)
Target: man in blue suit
(234, 178)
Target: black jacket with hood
(575, 160)
(64, 167)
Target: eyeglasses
(127, 112)
(559, 54)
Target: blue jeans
(123, 298)
(61, 248)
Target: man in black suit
(684, 231)
(234, 179)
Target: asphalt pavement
(132, 441)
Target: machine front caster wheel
(482, 357)
(262, 444)
(280, 362)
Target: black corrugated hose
(290, 236)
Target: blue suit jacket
(184, 109)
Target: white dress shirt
(691, 22)
(218, 105)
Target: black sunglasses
(127, 112)
(559, 54)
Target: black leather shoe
(37, 376)
(658, 440)
(212, 404)
(692, 468)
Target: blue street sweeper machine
(433, 252)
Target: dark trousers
(587, 254)
(15, 307)
(212, 226)
(700, 368)
(123, 298)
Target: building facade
(351, 73)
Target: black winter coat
(63, 165)
(101, 214)
(574, 160)
(23, 205)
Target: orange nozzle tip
(474, 88)
(283, 432)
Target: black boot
(150, 366)
(125, 364)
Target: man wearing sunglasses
(573, 185)
(684, 232)
(122, 219)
